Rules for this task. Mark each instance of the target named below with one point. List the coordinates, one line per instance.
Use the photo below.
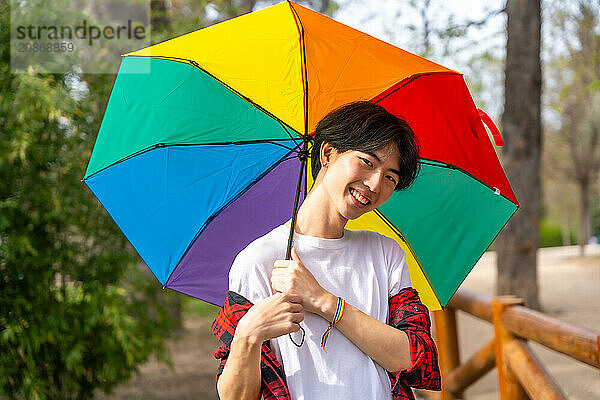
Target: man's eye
(369, 163)
(391, 178)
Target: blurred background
(81, 317)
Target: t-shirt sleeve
(398, 275)
(250, 275)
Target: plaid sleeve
(408, 314)
(223, 327)
(273, 379)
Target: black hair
(365, 126)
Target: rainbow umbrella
(202, 144)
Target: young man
(380, 343)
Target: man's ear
(326, 153)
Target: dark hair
(364, 126)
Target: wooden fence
(520, 374)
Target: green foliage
(596, 217)
(551, 235)
(197, 308)
(76, 311)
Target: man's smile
(363, 200)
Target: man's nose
(374, 181)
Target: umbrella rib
(289, 134)
(159, 145)
(145, 149)
(305, 75)
(162, 41)
(410, 80)
(281, 145)
(403, 238)
(290, 157)
(248, 100)
(487, 247)
(216, 214)
(435, 163)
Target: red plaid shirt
(406, 312)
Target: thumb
(295, 255)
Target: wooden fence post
(510, 388)
(447, 343)
(482, 362)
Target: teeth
(362, 199)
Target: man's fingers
(296, 307)
(284, 264)
(278, 280)
(292, 308)
(292, 298)
(276, 284)
(284, 275)
(298, 317)
(278, 273)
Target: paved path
(569, 290)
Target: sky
(478, 55)
(399, 23)
(389, 20)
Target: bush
(76, 313)
(550, 235)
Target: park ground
(569, 290)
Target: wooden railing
(520, 374)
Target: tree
(75, 313)
(521, 121)
(577, 83)
(559, 190)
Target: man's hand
(274, 316)
(291, 276)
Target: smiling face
(357, 182)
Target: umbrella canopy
(197, 154)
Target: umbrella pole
(303, 155)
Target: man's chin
(357, 215)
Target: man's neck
(316, 217)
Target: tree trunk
(585, 230)
(517, 244)
(565, 230)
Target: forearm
(241, 377)
(386, 345)
(269, 318)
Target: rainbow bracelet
(336, 317)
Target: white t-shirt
(364, 268)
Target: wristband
(336, 317)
